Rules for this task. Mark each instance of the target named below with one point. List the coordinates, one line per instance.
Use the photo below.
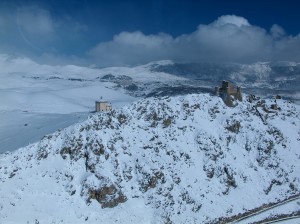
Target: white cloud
(230, 20)
(228, 39)
(27, 30)
(35, 21)
(277, 31)
(132, 48)
(35, 27)
(33, 32)
(287, 49)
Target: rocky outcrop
(180, 157)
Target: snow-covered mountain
(39, 99)
(183, 159)
(261, 78)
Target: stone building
(229, 93)
(102, 106)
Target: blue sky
(132, 32)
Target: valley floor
(20, 128)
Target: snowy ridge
(185, 159)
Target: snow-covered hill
(184, 159)
(39, 99)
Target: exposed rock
(175, 156)
(107, 196)
(234, 127)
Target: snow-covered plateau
(181, 159)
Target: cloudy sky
(132, 32)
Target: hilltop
(182, 159)
(39, 99)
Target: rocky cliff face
(178, 159)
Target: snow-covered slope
(39, 99)
(185, 159)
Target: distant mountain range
(260, 78)
(170, 78)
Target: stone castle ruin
(229, 93)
